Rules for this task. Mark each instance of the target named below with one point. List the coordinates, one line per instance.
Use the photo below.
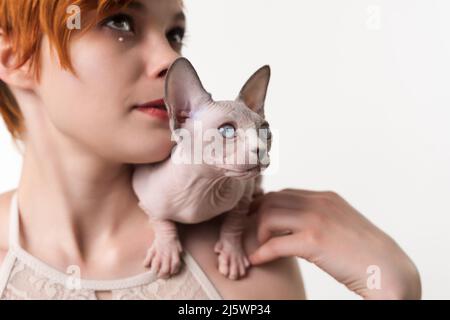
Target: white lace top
(23, 276)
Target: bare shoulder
(278, 279)
(5, 201)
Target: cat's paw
(232, 260)
(163, 257)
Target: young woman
(73, 229)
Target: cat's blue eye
(227, 131)
(265, 133)
(121, 22)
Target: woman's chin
(150, 158)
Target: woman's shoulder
(5, 201)
(279, 279)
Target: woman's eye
(120, 22)
(227, 131)
(176, 35)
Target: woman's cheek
(93, 108)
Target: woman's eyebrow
(179, 17)
(139, 6)
(136, 5)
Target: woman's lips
(155, 108)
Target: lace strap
(201, 276)
(14, 221)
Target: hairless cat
(201, 185)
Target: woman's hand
(324, 229)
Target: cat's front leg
(232, 259)
(163, 257)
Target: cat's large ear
(184, 92)
(253, 93)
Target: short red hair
(24, 22)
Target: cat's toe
(149, 257)
(175, 264)
(242, 268)
(155, 264)
(232, 261)
(232, 266)
(234, 272)
(218, 247)
(170, 266)
(223, 265)
(164, 271)
(239, 268)
(163, 258)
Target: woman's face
(95, 109)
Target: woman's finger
(277, 199)
(299, 245)
(276, 247)
(277, 220)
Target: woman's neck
(75, 200)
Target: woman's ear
(20, 77)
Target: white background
(360, 101)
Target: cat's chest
(230, 191)
(217, 199)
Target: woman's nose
(162, 60)
(164, 67)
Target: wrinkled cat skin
(192, 192)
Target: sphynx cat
(224, 181)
